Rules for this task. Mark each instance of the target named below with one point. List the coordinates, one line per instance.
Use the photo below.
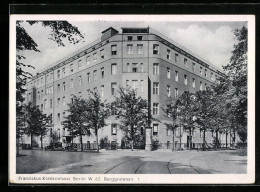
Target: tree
(60, 30)
(46, 123)
(181, 112)
(236, 70)
(76, 120)
(36, 122)
(132, 110)
(97, 111)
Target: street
(132, 162)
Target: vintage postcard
(132, 99)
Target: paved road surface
(132, 162)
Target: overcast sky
(213, 41)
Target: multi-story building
(139, 57)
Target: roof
(109, 29)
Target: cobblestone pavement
(132, 162)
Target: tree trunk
(96, 131)
(132, 138)
(204, 140)
(173, 141)
(41, 142)
(31, 141)
(190, 139)
(180, 138)
(226, 139)
(17, 148)
(81, 142)
(217, 139)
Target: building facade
(138, 57)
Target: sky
(212, 41)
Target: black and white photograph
(132, 99)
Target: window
(95, 75)
(205, 86)
(41, 95)
(128, 67)
(141, 86)
(113, 109)
(156, 68)
(201, 87)
(127, 83)
(41, 107)
(88, 60)
(130, 50)
(113, 50)
(134, 67)
(63, 71)
(38, 82)
(176, 93)
(102, 73)
(79, 64)
(176, 76)
(95, 57)
(113, 69)
(58, 101)
(168, 91)
(142, 67)
(113, 129)
(185, 63)
(51, 76)
(168, 132)
(51, 103)
(58, 73)
(102, 54)
(64, 86)
(155, 108)
(51, 89)
(140, 49)
(193, 66)
(113, 88)
(139, 38)
(193, 83)
(88, 91)
(63, 115)
(200, 70)
(48, 78)
(71, 68)
(71, 98)
(168, 73)
(211, 76)
(129, 38)
(58, 88)
(64, 101)
(201, 133)
(80, 95)
(45, 103)
(134, 84)
(58, 117)
(155, 88)
(176, 58)
(102, 90)
(155, 129)
(168, 55)
(185, 80)
(155, 49)
(80, 80)
(41, 80)
(71, 83)
(206, 73)
(88, 77)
